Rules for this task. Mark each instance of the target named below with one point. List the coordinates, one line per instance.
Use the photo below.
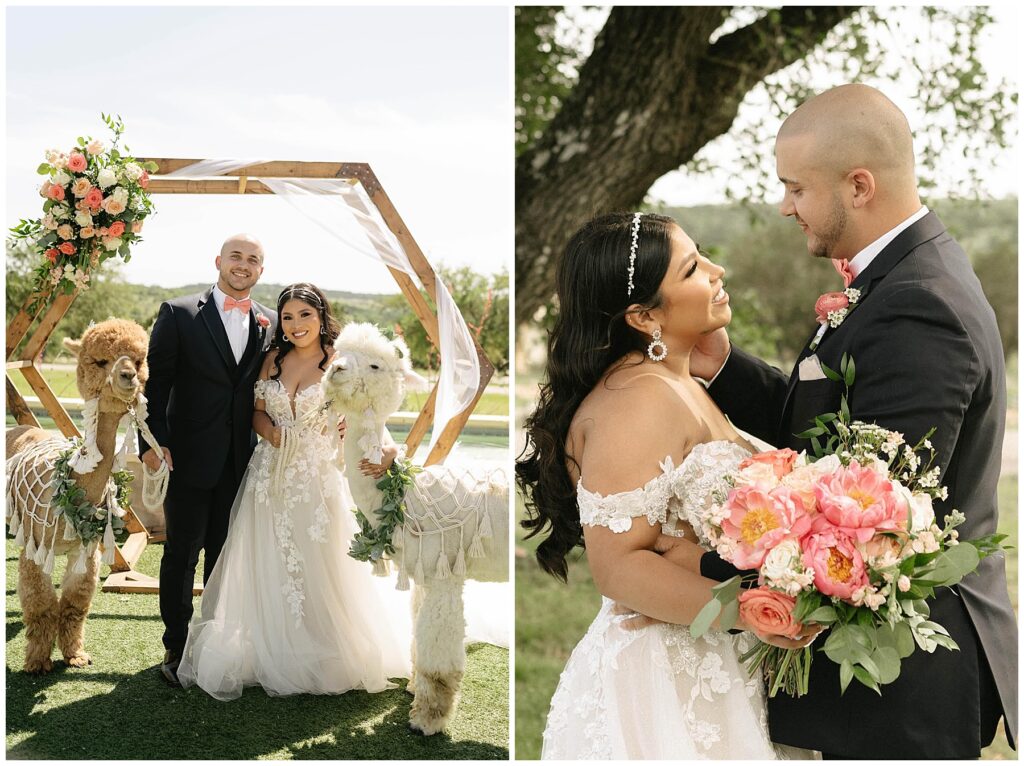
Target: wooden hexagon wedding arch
(28, 333)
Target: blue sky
(422, 94)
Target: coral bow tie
(243, 305)
(843, 267)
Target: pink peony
(860, 501)
(55, 192)
(94, 198)
(830, 302)
(67, 248)
(759, 520)
(768, 612)
(77, 162)
(837, 564)
(781, 461)
(116, 229)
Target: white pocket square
(810, 369)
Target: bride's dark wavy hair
(314, 297)
(590, 335)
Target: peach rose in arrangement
(95, 147)
(136, 226)
(780, 460)
(94, 198)
(113, 205)
(759, 520)
(87, 232)
(67, 248)
(55, 192)
(116, 229)
(77, 162)
(65, 231)
(769, 612)
(52, 254)
(860, 500)
(80, 187)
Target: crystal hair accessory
(635, 237)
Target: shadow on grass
(141, 718)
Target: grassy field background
(551, 617)
(119, 708)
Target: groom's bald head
(856, 126)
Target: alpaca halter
(635, 238)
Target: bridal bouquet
(847, 538)
(95, 201)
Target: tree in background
(663, 82)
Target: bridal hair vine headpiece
(634, 237)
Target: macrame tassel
(476, 548)
(14, 520)
(19, 538)
(460, 564)
(108, 543)
(30, 548)
(380, 568)
(418, 574)
(403, 579)
(40, 556)
(48, 564)
(79, 567)
(484, 530)
(443, 567)
(69, 531)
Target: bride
(625, 445)
(285, 607)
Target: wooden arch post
(241, 181)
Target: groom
(205, 353)
(927, 353)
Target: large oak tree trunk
(653, 92)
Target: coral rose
(830, 302)
(52, 254)
(94, 198)
(860, 501)
(781, 460)
(116, 229)
(67, 248)
(144, 179)
(837, 564)
(769, 612)
(55, 192)
(77, 162)
(759, 520)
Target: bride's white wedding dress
(286, 607)
(656, 692)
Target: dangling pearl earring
(663, 349)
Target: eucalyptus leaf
(702, 622)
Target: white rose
(903, 583)
(781, 561)
(922, 515)
(61, 178)
(82, 218)
(111, 243)
(826, 466)
(50, 222)
(106, 178)
(133, 171)
(61, 211)
(95, 147)
(759, 473)
(52, 155)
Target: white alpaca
(456, 521)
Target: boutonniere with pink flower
(832, 310)
(262, 321)
(94, 203)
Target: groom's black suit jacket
(200, 399)
(927, 353)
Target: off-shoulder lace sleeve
(260, 388)
(618, 511)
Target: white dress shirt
(236, 324)
(863, 259)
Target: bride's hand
(376, 470)
(342, 427)
(275, 437)
(633, 619)
(710, 354)
(807, 634)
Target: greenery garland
(88, 521)
(373, 544)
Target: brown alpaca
(111, 368)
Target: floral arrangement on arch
(845, 538)
(95, 202)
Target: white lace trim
(667, 495)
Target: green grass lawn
(119, 708)
(552, 617)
